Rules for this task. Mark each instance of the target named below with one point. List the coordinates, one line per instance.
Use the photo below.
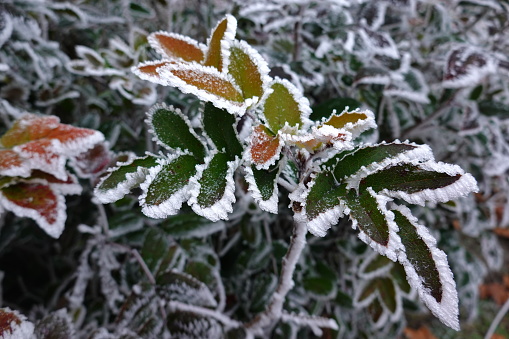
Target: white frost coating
(7, 28)
(154, 43)
(177, 111)
(419, 153)
(359, 126)
(157, 79)
(54, 229)
(394, 243)
(474, 73)
(377, 46)
(447, 309)
(464, 185)
(221, 208)
(170, 206)
(302, 101)
(269, 205)
(378, 272)
(247, 153)
(24, 330)
(123, 187)
(170, 79)
(227, 39)
(255, 57)
(325, 220)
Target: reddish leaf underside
(37, 197)
(209, 83)
(174, 47)
(6, 321)
(264, 146)
(9, 159)
(213, 57)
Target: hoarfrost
(466, 66)
(18, 327)
(447, 309)
(379, 43)
(270, 205)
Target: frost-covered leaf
(379, 43)
(213, 188)
(263, 186)
(121, 179)
(185, 226)
(172, 129)
(43, 143)
(221, 37)
(413, 87)
(176, 46)
(167, 186)
(219, 126)
(14, 325)
(183, 287)
(375, 223)
(192, 325)
(56, 325)
(154, 248)
(383, 289)
(372, 75)
(285, 105)
(36, 201)
(354, 122)
(12, 164)
(427, 268)
(494, 108)
(248, 69)
(207, 83)
(466, 66)
(6, 27)
(264, 147)
(420, 182)
(92, 162)
(375, 265)
(148, 70)
(374, 14)
(324, 109)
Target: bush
(286, 119)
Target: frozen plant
(326, 172)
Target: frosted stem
(315, 323)
(273, 312)
(205, 312)
(498, 318)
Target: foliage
(285, 120)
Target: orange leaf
(421, 333)
(496, 291)
(11, 164)
(37, 201)
(502, 232)
(176, 46)
(29, 127)
(340, 121)
(224, 31)
(265, 147)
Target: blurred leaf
(494, 108)
(176, 46)
(325, 109)
(154, 248)
(173, 285)
(56, 325)
(190, 226)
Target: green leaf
(248, 69)
(348, 163)
(407, 178)
(283, 106)
(263, 186)
(122, 179)
(324, 195)
(365, 212)
(164, 191)
(263, 287)
(213, 194)
(186, 226)
(387, 293)
(183, 287)
(419, 255)
(494, 108)
(154, 248)
(325, 109)
(220, 127)
(321, 288)
(173, 131)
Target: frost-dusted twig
(498, 318)
(205, 312)
(314, 322)
(144, 266)
(273, 311)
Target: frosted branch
(205, 312)
(273, 312)
(313, 322)
(498, 318)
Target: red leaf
(176, 46)
(265, 147)
(37, 201)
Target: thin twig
(205, 312)
(273, 311)
(498, 318)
